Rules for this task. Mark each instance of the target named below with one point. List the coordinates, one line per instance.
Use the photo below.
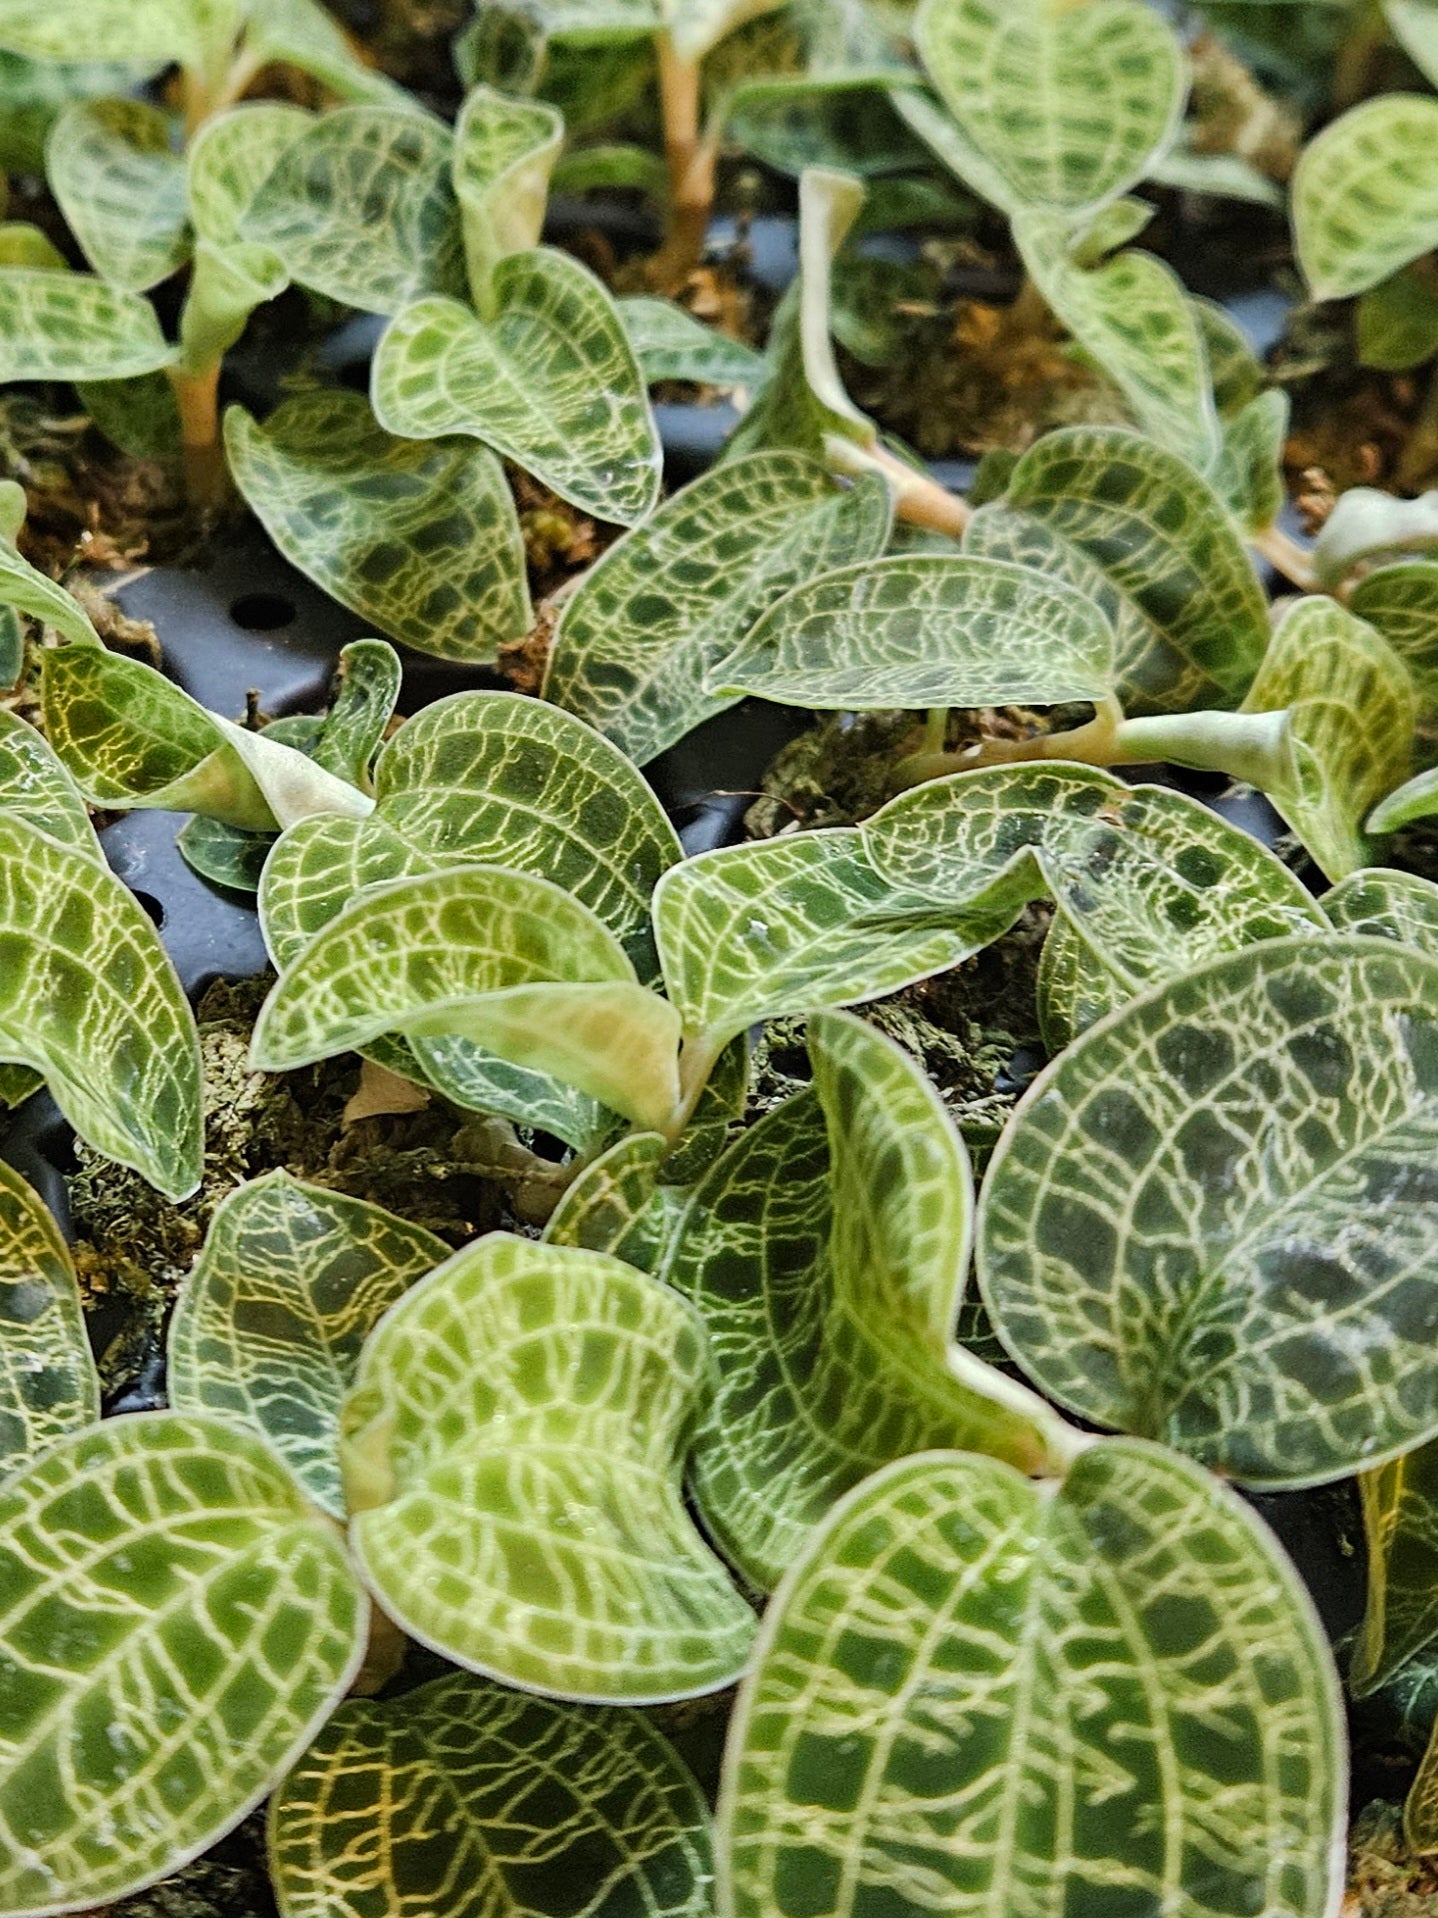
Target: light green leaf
(827, 1252)
(924, 629)
(1071, 104)
(1220, 176)
(1415, 27)
(1133, 316)
(48, 1383)
(1249, 471)
(138, 415)
(197, 33)
(1367, 525)
(1400, 1520)
(268, 1327)
(24, 586)
(519, 1506)
(67, 326)
(1402, 603)
(1384, 904)
(35, 785)
(1150, 882)
(552, 383)
(796, 924)
(975, 1695)
(89, 999)
(615, 1204)
(953, 148)
(1415, 799)
(506, 960)
(504, 152)
(301, 34)
(360, 207)
(1365, 195)
(178, 1623)
(1398, 322)
(1353, 708)
(1137, 530)
(697, 26)
(131, 738)
(121, 187)
(609, 164)
(671, 599)
(22, 244)
(426, 1804)
(670, 344)
(803, 403)
(1209, 1215)
(419, 537)
(227, 283)
(33, 94)
(230, 158)
(1073, 990)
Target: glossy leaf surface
(512, 1450)
(975, 1695)
(674, 596)
(795, 924)
(672, 345)
(486, 1802)
(925, 630)
(420, 537)
(551, 383)
(1135, 528)
(504, 151)
(121, 187)
(1209, 1221)
(827, 1252)
(48, 1383)
(34, 784)
(1365, 195)
(1071, 105)
(68, 326)
(178, 1622)
(268, 1326)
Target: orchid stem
(691, 159)
(207, 479)
(1287, 558)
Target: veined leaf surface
(1402, 602)
(671, 344)
(454, 1779)
(796, 924)
(615, 1204)
(196, 33)
(673, 597)
(89, 999)
(827, 1252)
(1135, 528)
(1353, 708)
(551, 383)
(518, 1502)
(924, 629)
(697, 26)
(360, 207)
(48, 1382)
(502, 958)
(68, 326)
(1070, 104)
(121, 187)
(268, 1327)
(1365, 195)
(1133, 316)
(132, 738)
(1400, 1520)
(178, 1621)
(1384, 904)
(418, 536)
(504, 152)
(1151, 882)
(977, 1695)
(302, 34)
(34, 784)
(1209, 1221)
(231, 157)
(25, 587)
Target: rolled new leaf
(510, 962)
(550, 382)
(827, 1252)
(90, 1000)
(504, 152)
(1211, 1210)
(179, 1622)
(48, 1383)
(438, 1790)
(519, 1506)
(132, 738)
(921, 630)
(673, 597)
(1135, 528)
(1068, 106)
(268, 1326)
(615, 1204)
(419, 537)
(1001, 1697)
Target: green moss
(1385, 1879)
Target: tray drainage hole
(151, 905)
(262, 612)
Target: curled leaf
(504, 151)
(48, 1383)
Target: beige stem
(207, 479)
(918, 498)
(691, 160)
(1287, 558)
